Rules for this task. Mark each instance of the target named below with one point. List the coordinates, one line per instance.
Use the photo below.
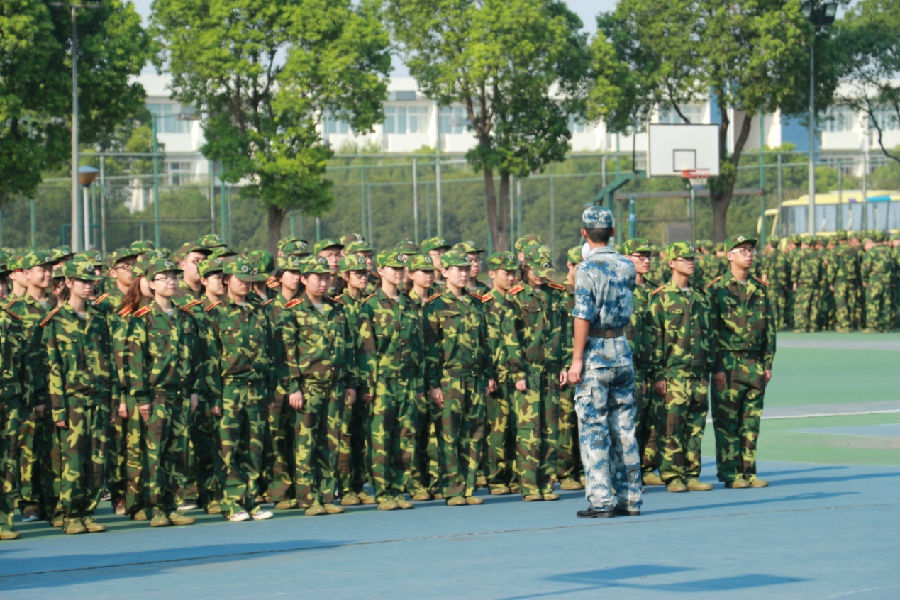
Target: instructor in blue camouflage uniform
(602, 370)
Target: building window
(180, 172)
(333, 126)
(405, 119)
(839, 118)
(454, 119)
(169, 117)
(886, 118)
(694, 113)
(580, 126)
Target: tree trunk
(275, 218)
(497, 211)
(720, 202)
(722, 190)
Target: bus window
(826, 217)
(852, 218)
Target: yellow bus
(847, 209)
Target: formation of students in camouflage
(223, 381)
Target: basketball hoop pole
(696, 178)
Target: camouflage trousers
(38, 461)
(353, 454)
(206, 461)
(684, 418)
(426, 473)
(499, 454)
(806, 309)
(393, 435)
(241, 440)
(568, 457)
(536, 417)
(878, 309)
(157, 455)
(9, 467)
(82, 446)
(604, 402)
(844, 300)
(281, 432)
(116, 450)
(317, 430)
(462, 433)
(647, 422)
(736, 414)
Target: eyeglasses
(166, 277)
(745, 251)
(641, 256)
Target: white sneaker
(262, 514)
(239, 516)
(188, 505)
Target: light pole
(86, 176)
(820, 14)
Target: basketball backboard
(674, 147)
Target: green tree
(518, 66)
(263, 75)
(749, 55)
(36, 83)
(867, 39)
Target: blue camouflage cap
(597, 217)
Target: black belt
(606, 333)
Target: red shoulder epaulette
(293, 303)
(556, 286)
(125, 312)
(516, 288)
(187, 307)
(366, 299)
(487, 297)
(142, 311)
(212, 306)
(432, 298)
(11, 313)
(101, 298)
(657, 290)
(268, 302)
(50, 315)
(711, 283)
(9, 304)
(272, 282)
(478, 297)
(758, 280)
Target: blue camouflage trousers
(604, 403)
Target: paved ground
(827, 527)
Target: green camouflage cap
(161, 265)
(326, 243)
(211, 241)
(502, 260)
(525, 240)
(63, 254)
(80, 269)
(635, 246)
(358, 246)
(352, 262)
(290, 262)
(223, 252)
(211, 264)
(434, 243)
(36, 258)
(537, 254)
(391, 259)
(315, 264)
(574, 255)
(452, 258)
(350, 238)
(840, 234)
(420, 262)
(733, 242)
(680, 250)
(91, 256)
(120, 254)
(541, 268)
(296, 247)
(141, 246)
(189, 247)
(243, 269)
(263, 260)
(467, 247)
(407, 247)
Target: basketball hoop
(696, 177)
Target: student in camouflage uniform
(162, 378)
(682, 359)
(320, 382)
(473, 253)
(457, 377)
(434, 248)
(14, 399)
(745, 341)
(570, 471)
(806, 273)
(390, 329)
(602, 370)
(876, 267)
(37, 447)
(647, 403)
(79, 355)
(242, 385)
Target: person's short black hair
(599, 235)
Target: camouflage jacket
(14, 383)
(79, 354)
(876, 265)
(742, 319)
(319, 345)
(243, 336)
(680, 329)
(540, 331)
(637, 331)
(455, 338)
(31, 312)
(503, 329)
(391, 340)
(162, 354)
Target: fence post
(415, 186)
(780, 193)
(552, 216)
(103, 205)
(362, 200)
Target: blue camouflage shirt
(604, 293)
